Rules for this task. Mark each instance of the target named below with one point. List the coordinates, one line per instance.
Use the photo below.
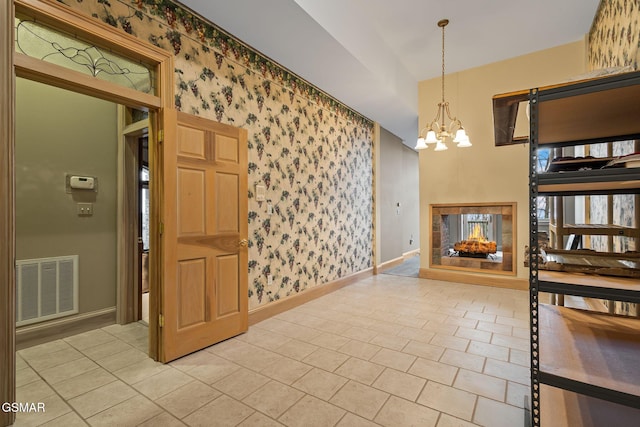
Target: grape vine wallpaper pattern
(614, 41)
(312, 154)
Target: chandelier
(437, 132)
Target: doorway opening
(71, 189)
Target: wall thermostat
(82, 182)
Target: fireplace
(475, 237)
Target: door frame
(14, 65)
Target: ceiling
(370, 54)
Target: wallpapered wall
(313, 155)
(614, 41)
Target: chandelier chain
(443, 63)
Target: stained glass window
(38, 40)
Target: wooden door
(204, 296)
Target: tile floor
(388, 350)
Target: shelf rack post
(534, 253)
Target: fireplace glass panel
(473, 237)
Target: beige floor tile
(463, 360)
(484, 317)
(511, 342)
(242, 383)
(451, 342)
(360, 370)
(359, 333)
(311, 412)
(447, 399)
(515, 321)
(508, 371)
(273, 398)
(394, 359)
(399, 412)
(57, 358)
(105, 350)
(34, 391)
(489, 350)
(517, 393)
(352, 420)
(412, 322)
(319, 383)
(442, 328)
(400, 384)
(424, 350)
(89, 339)
(263, 338)
(520, 357)
(41, 350)
(286, 371)
(385, 327)
(102, 398)
(495, 328)
(434, 371)
(211, 368)
(333, 327)
(360, 399)
(447, 420)
(359, 349)
(521, 333)
(259, 420)
(27, 375)
(70, 419)
(330, 341)
(461, 321)
(165, 382)
(296, 349)
(247, 355)
(54, 406)
(188, 398)
(164, 419)
(128, 413)
(391, 342)
(496, 414)
(139, 371)
(83, 383)
(415, 334)
(480, 384)
(68, 370)
(473, 334)
(296, 331)
(223, 411)
(328, 360)
(20, 363)
(122, 359)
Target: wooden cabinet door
(204, 296)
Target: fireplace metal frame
(505, 209)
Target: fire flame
(476, 234)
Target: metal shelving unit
(584, 365)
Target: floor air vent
(47, 288)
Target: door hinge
(161, 135)
(161, 228)
(161, 320)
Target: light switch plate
(260, 192)
(84, 209)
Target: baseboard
(390, 264)
(271, 309)
(475, 279)
(28, 336)
(415, 252)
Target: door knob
(243, 243)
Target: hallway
(388, 350)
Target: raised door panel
(191, 143)
(192, 214)
(227, 189)
(192, 292)
(227, 297)
(226, 149)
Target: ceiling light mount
(437, 131)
